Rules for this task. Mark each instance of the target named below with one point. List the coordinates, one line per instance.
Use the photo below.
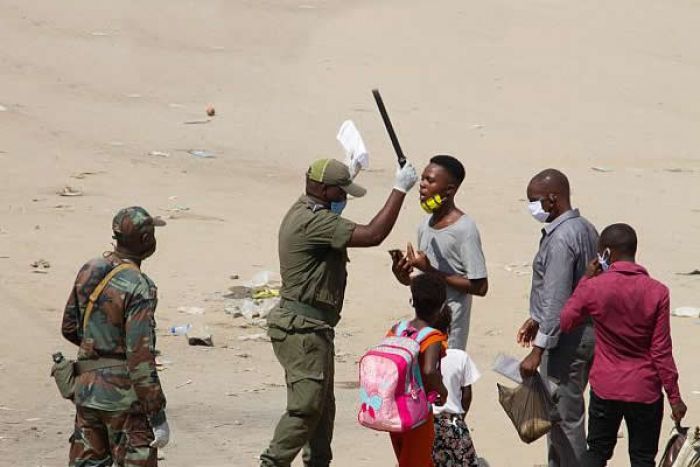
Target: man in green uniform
(313, 242)
(120, 405)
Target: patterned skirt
(453, 445)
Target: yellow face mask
(432, 204)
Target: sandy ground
(510, 87)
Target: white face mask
(538, 211)
(604, 260)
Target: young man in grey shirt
(568, 243)
(448, 244)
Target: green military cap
(335, 173)
(133, 221)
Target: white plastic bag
(683, 449)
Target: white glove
(406, 177)
(162, 435)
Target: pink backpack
(392, 395)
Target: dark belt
(112, 355)
(310, 312)
(83, 366)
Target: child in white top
(453, 445)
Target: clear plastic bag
(683, 449)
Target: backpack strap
(100, 287)
(401, 328)
(423, 333)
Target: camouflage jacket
(122, 325)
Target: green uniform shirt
(313, 257)
(122, 326)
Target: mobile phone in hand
(396, 254)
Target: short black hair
(452, 165)
(554, 180)
(429, 293)
(621, 238)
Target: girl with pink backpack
(401, 375)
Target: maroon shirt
(633, 350)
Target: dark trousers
(568, 366)
(306, 351)
(643, 426)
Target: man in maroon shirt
(633, 356)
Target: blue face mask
(338, 206)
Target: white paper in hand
(356, 155)
(510, 368)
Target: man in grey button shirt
(568, 244)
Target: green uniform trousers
(105, 438)
(304, 348)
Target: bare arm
(432, 377)
(478, 287)
(378, 229)
(466, 398)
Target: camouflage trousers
(102, 438)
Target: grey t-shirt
(456, 249)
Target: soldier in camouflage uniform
(120, 415)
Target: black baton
(389, 127)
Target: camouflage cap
(335, 173)
(134, 220)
